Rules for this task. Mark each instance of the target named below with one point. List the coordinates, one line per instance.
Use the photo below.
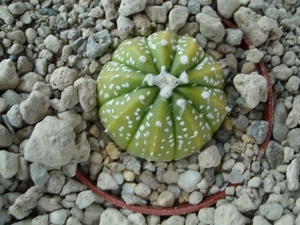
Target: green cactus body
(161, 98)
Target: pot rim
(210, 200)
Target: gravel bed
(51, 53)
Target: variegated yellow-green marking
(161, 98)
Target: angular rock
(106, 181)
(38, 174)
(85, 199)
(51, 143)
(252, 87)
(157, 14)
(52, 43)
(166, 199)
(282, 72)
(280, 129)
(97, 44)
(227, 214)
(292, 175)
(86, 89)
(245, 204)
(188, 180)
(9, 164)
(247, 21)
(258, 130)
(25, 203)
(129, 7)
(274, 154)
(209, 157)
(63, 77)
(272, 211)
(125, 26)
(9, 77)
(113, 216)
(35, 107)
(293, 118)
(227, 8)
(211, 27)
(178, 17)
(6, 138)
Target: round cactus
(161, 97)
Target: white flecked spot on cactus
(184, 59)
(161, 97)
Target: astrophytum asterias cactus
(161, 97)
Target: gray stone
(157, 14)
(86, 89)
(293, 139)
(194, 7)
(17, 8)
(234, 36)
(63, 77)
(292, 85)
(258, 130)
(206, 215)
(293, 118)
(72, 186)
(5, 15)
(227, 8)
(9, 78)
(178, 17)
(58, 216)
(129, 7)
(227, 214)
(6, 138)
(85, 199)
(106, 181)
(235, 177)
(142, 25)
(244, 203)
(188, 180)
(98, 44)
(211, 27)
(38, 174)
(125, 26)
(195, 197)
(25, 203)
(137, 219)
(109, 9)
(35, 107)
(55, 182)
(209, 157)
(274, 154)
(92, 214)
(148, 178)
(247, 21)
(142, 190)
(292, 175)
(40, 220)
(252, 87)
(260, 220)
(27, 81)
(132, 163)
(282, 72)
(51, 143)
(280, 129)
(174, 220)
(113, 216)
(272, 211)
(166, 199)
(53, 44)
(9, 164)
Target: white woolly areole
(166, 82)
(181, 103)
(142, 59)
(184, 59)
(163, 42)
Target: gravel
(51, 53)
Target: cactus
(161, 97)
